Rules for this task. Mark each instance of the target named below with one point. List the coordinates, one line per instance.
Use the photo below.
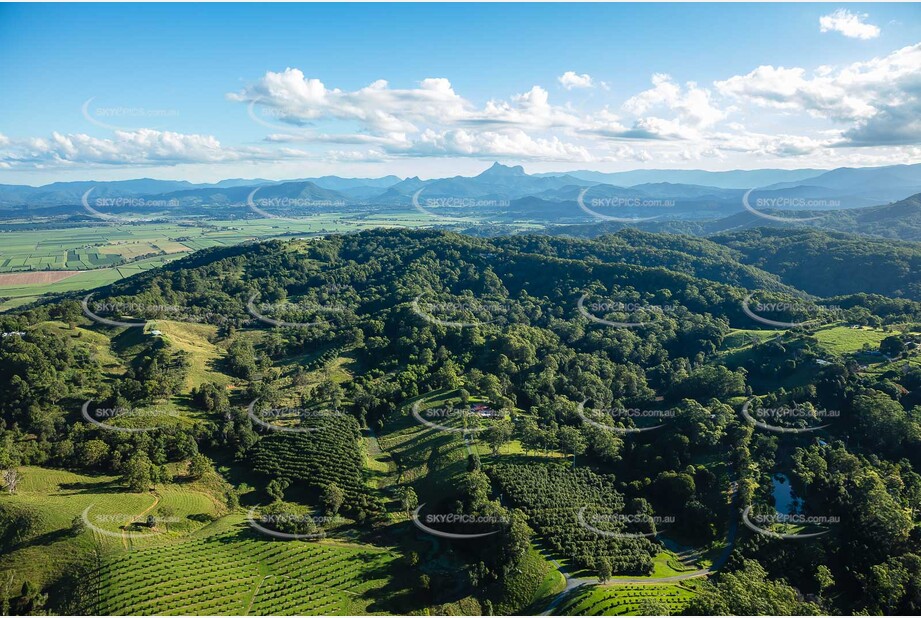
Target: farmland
(109, 251)
(238, 572)
(627, 600)
(414, 437)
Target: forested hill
(828, 264)
(378, 270)
(354, 336)
(898, 221)
(535, 280)
(814, 261)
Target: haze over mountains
(501, 194)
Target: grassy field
(197, 340)
(627, 600)
(842, 340)
(48, 501)
(202, 560)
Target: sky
(211, 91)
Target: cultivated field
(627, 600)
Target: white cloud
(570, 80)
(514, 143)
(852, 25)
(869, 98)
(129, 148)
(692, 104)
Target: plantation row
(316, 459)
(552, 495)
(226, 574)
(628, 599)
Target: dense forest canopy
(579, 380)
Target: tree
(892, 346)
(166, 514)
(77, 525)
(604, 570)
(94, 453)
(333, 497)
(137, 473)
(408, 499)
(497, 434)
(276, 489)
(10, 478)
(749, 592)
(199, 466)
(571, 441)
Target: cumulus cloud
(514, 143)
(570, 80)
(852, 25)
(128, 148)
(870, 98)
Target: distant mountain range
(499, 194)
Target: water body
(784, 500)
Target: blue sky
(172, 88)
